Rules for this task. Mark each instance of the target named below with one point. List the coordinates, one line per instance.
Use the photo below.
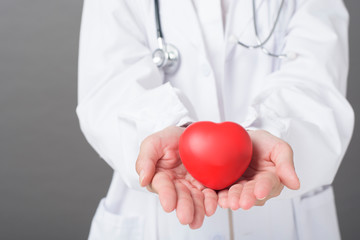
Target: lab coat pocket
(317, 215)
(110, 226)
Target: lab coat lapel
(181, 23)
(239, 20)
(178, 15)
(241, 15)
(240, 24)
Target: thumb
(282, 156)
(149, 154)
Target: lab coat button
(206, 70)
(218, 237)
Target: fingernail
(142, 175)
(260, 199)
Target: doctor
(293, 98)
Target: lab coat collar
(239, 19)
(183, 11)
(239, 24)
(240, 16)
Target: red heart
(215, 154)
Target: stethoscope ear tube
(166, 56)
(261, 44)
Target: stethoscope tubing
(157, 20)
(167, 62)
(260, 43)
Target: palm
(261, 162)
(167, 177)
(270, 169)
(173, 169)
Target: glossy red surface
(215, 154)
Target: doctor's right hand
(160, 169)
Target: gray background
(50, 179)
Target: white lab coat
(123, 98)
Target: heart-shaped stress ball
(215, 154)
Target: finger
(274, 193)
(185, 204)
(247, 198)
(223, 198)
(210, 201)
(234, 196)
(282, 156)
(265, 183)
(199, 209)
(150, 153)
(164, 186)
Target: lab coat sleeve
(303, 102)
(121, 94)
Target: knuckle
(286, 145)
(282, 146)
(149, 140)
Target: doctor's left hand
(271, 168)
(160, 169)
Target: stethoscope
(167, 56)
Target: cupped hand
(161, 171)
(270, 169)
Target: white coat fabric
(124, 97)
